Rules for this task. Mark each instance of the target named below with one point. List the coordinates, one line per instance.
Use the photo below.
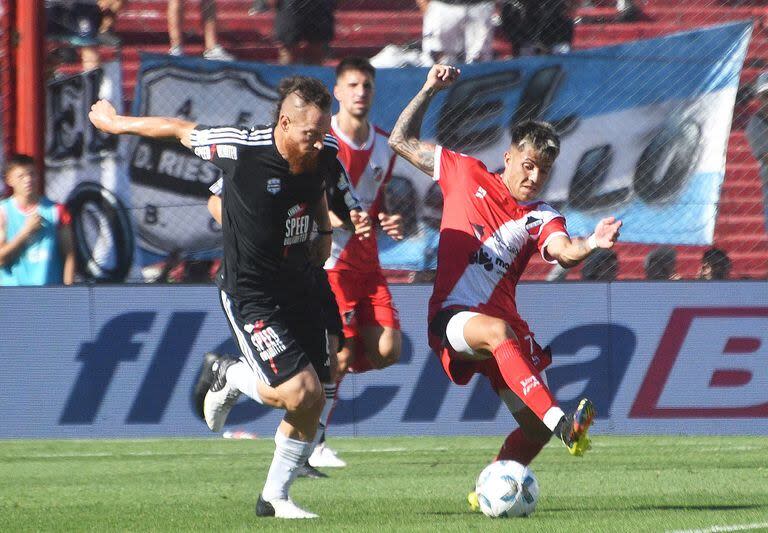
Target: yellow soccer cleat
(575, 430)
(474, 505)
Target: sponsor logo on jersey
(297, 225)
(482, 258)
(480, 193)
(266, 341)
(225, 151)
(203, 152)
(274, 185)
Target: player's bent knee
(496, 332)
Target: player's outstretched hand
(104, 116)
(441, 76)
(607, 232)
(392, 225)
(362, 223)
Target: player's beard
(300, 161)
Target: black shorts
(304, 20)
(328, 305)
(279, 339)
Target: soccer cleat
(474, 504)
(309, 471)
(281, 509)
(221, 396)
(574, 431)
(324, 457)
(204, 382)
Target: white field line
(718, 529)
(65, 455)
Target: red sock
(518, 447)
(523, 379)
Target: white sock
(243, 379)
(290, 454)
(330, 401)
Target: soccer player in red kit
(491, 226)
(371, 325)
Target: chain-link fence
(659, 105)
(6, 96)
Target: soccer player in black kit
(273, 194)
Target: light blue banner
(644, 127)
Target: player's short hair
(355, 63)
(541, 135)
(19, 160)
(311, 90)
(718, 261)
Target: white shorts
(450, 30)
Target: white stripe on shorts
(245, 346)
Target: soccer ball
(507, 489)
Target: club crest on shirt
(273, 185)
(532, 223)
(378, 172)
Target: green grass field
(392, 484)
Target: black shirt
(267, 212)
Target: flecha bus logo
(711, 362)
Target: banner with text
(123, 361)
(86, 170)
(650, 149)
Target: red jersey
(486, 239)
(369, 167)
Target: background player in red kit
(491, 226)
(371, 325)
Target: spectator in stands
(661, 263)
(715, 264)
(84, 24)
(536, 27)
(602, 265)
(627, 9)
(757, 135)
(213, 50)
(307, 23)
(457, 31)
(35, 235)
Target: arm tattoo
(404, 138)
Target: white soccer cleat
(282, 509)
(221, 396)
(324, 457)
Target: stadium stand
(366, 26)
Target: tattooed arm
(404, 138)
